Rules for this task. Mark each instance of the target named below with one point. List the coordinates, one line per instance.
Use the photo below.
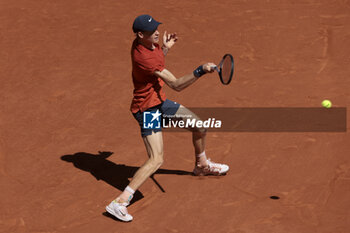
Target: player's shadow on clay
(114, 174)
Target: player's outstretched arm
(178, 84)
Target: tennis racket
(225, 69)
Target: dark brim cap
(145, 23)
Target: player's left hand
(169, 39)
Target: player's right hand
(209, 67)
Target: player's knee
(160, 162)
(158, 159)
(204, 131)
(201, 132)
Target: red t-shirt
(148, 91)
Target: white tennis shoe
(214, 169)
(119, 211)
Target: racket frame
(219, 70)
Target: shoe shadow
(113, 174)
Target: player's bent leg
(203, 166)
(154, 147)
(199, 134)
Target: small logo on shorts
(151, 120)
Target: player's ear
(140, 34)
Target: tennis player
(149, 75)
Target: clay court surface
(65, 92)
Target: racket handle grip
(215, 67)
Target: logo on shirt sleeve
(151, 119)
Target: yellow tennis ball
(326, 103)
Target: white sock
(130, 190)
(127, 194)
(201, 159)
(198, 156)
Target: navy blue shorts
(167, 108)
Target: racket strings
(226, 69)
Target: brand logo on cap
(150, 19)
